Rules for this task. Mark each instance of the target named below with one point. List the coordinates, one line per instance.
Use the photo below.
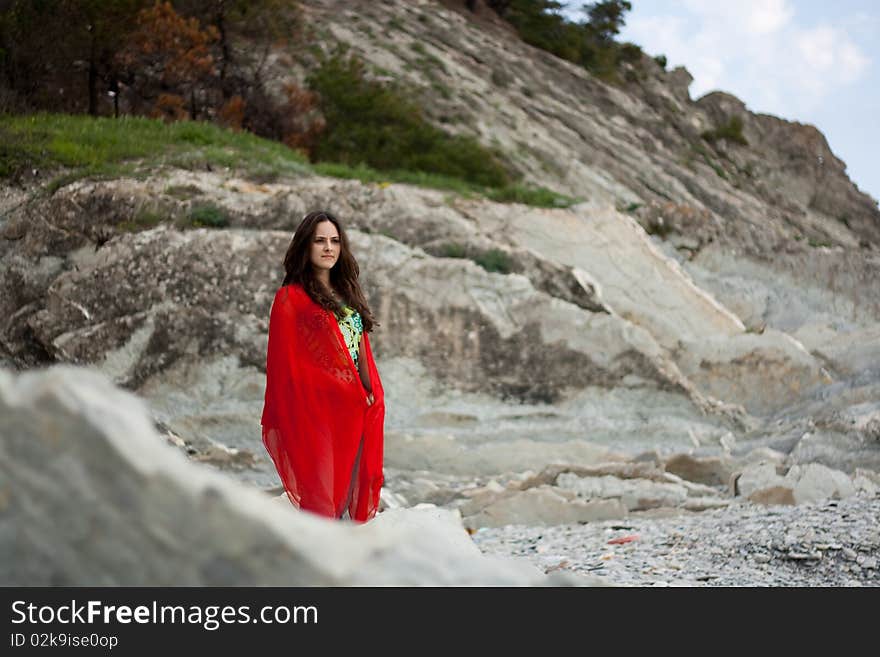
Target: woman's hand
(370, 399)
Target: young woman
(324, 412)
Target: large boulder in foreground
(90, 495)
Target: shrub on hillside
(381, 126)
(590, 43)
(495, 260)
(207, 215)
(731, 130)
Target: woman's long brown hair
(343, 275)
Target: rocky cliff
(705, 298)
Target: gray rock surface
(92, 496)
(543, 505)
(830, 544)
(810, 483)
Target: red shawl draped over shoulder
(316, 414)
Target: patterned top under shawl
(352, 328)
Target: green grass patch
(731, 130)
(207, 215)
(494, 260)
(183, 192)
(534, 196)
(453, 250)
(368, 174)
(20, 152)
(104, 146)
(718, 169)
(537, 196)
(144, 219)
(78, 146)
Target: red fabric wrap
(316, 411)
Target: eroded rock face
(144, 301)
(626, 145)
(765, 373)
(166, 308)
(190, 336)
(589, 256)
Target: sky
(809, 61)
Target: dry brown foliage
(303, 124)
(231, 114)
(169, 107)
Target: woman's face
(324, 251)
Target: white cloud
(764, 17)
(755, 49)
(816, 47)
(749, 16)
(852, 62)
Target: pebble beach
(835, 543)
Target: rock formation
(701, 328)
